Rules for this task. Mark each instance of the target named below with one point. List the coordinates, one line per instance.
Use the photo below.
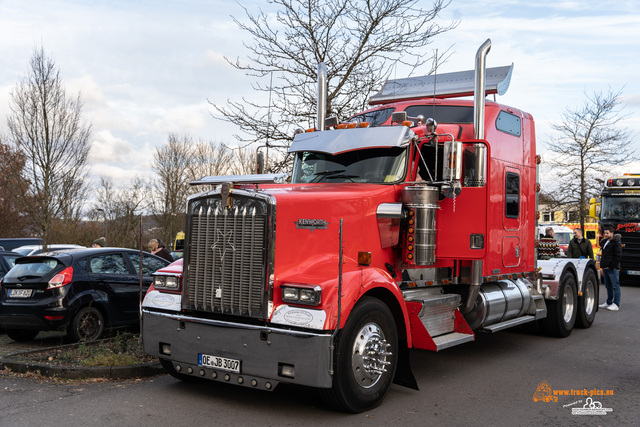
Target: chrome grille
(226, 257)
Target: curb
(72, 372)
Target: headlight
(171, 283)
(301, 294)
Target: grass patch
(121, 350)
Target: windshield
(32, 268)
(562, 237)
(376, 165)
(23, 251)
(376, 117)
(621, 208)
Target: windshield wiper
(342, 176)
(324, 174)
(28, 276)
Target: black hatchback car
(81, 291)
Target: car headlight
(301, 294)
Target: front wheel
(587, 303)
(21, 334)
(561, 313)
(365, 359)
(87, 325)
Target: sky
(147, 68)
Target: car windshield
(23, 251)
(376, 165)
(32, 268)
(621, 208)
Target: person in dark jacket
(579, 247)
(610, 264)
(157, 249)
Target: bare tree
(121, 210)
(210, 159)
(590, 140)
(47, 128)
(361, 41)
(13, 222)
(171, 183)
(244, 161)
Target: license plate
(20, 293)
(633, 273)
(217, 362)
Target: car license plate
(217, 362)
(20, 293)
(633, 273)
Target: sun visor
(447, 85)
(342, 140)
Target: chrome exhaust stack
(479, 90)
(322, 96)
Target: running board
(508, 324)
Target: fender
(93, 297)
(553, 270)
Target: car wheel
(365, 359)
(588, 302)
(562, 313)
(21, 334)
(87, 325)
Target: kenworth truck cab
(412, 226)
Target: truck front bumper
(267, 355)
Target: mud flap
(404, 374)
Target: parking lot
(491, 381)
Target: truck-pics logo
(543, 393)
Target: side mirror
(398, 116)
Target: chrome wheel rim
(567, 296)
(589, 296)
(370, 355)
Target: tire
(588, 302)
(87, 325)
(168, 366)
(562, 313)
(357, 387)
(21, 334)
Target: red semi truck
(413, 226)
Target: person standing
(100, 242)
(610, 264)
(579, 247)
(548, 246)
(159, 250)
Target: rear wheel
(587, 303)
(21, 334)
(562, 313)
(87, 325)
(365, 359)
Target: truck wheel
(365, 359)
(87, 325)
(21, 334)
(561, 313)
(588, 301)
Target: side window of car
(149, 264)
(108, 264)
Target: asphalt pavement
(492, 381)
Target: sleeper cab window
(512, 195)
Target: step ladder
(436, 322)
